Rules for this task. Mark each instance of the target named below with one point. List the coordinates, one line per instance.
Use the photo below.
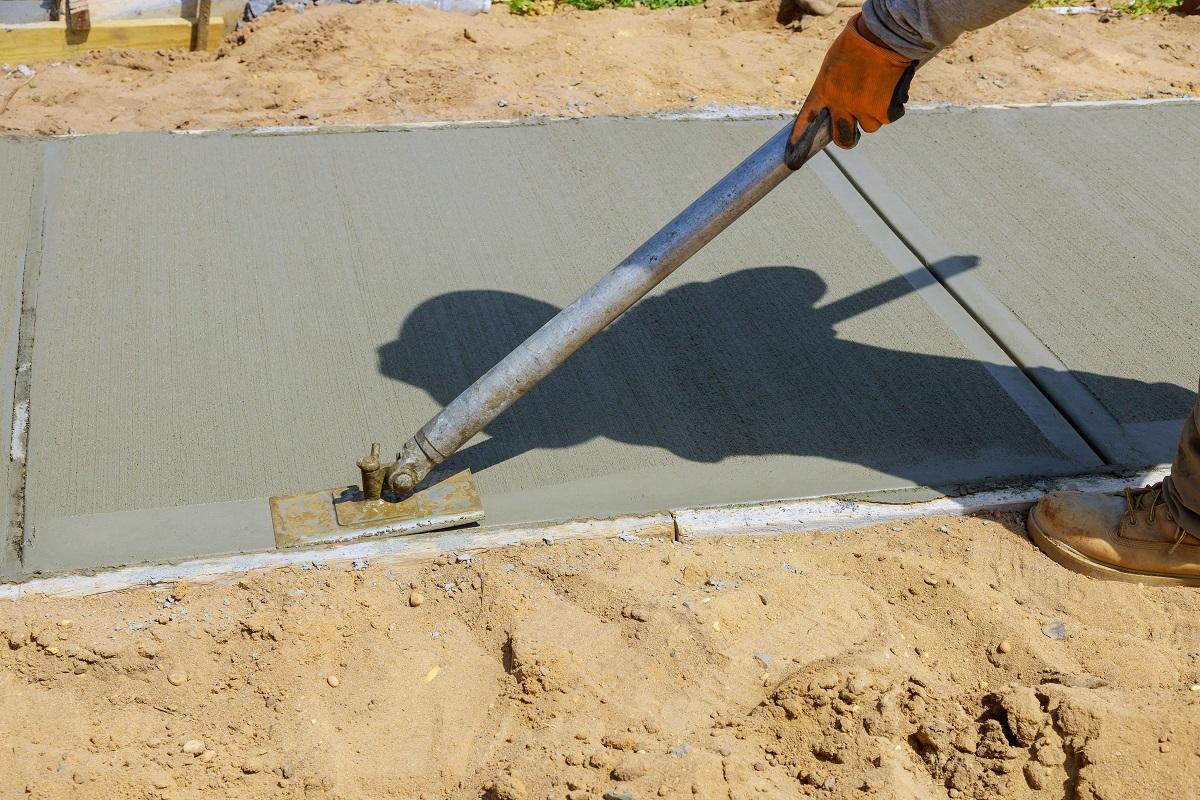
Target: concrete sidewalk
(229, 316)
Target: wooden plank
(45, 40)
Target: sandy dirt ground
(931, 659)
(390, 64)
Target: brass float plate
(333, 515)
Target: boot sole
(1076, 561)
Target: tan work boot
(1131, 538)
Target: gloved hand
(862, 82)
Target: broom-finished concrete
(1084, 222)
(250, 311)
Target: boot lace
(1146, 499)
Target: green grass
(527, 6)
(1134, 8)
(1139, 7)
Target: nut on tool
(371, 509)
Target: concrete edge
(834, 513)
(681, 525)
(394, 550)
(707, 113)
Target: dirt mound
(383, 63)
(932, 659)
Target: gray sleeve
(920, 28)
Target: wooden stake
(79, 17)
(203, 12)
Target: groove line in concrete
(979, 339)
(16, 362)
(1073, 402)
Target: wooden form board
(45, 40)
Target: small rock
(1165, 747)
(501, 102)
(1004, 647)
(1056, 630)
(695, 574)
(629, 771)
(764, 597)
(763, 658)
(208, 755)
(617, 796)
(619, 742)
(944, 528)
(579, 794)
(359, 564)
(636, 613)
(194, 747)
(25, 71)
(252, 767)
(415, 599)
(160, 780)
(287, 770)
(931, 581)
(548, 538)
(1035, 775)
(333, 680)
(177, 678)
(506, 787)
(682, 750)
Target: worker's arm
(865, 76)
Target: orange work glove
(862, 82)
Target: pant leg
(1181, 490)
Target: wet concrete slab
(251, 311)
(1084, 223)
(20, 163)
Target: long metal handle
(611, 296)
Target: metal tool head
(352, 512)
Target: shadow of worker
(748, 364)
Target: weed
(1139, 7)
(594, 5)
(1134, 8)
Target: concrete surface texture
(253, 310)
(20, 161)
(1084, 224)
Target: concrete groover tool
(393, 498)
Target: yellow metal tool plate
(333, 515)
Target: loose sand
(388, 64)
(903, 661)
